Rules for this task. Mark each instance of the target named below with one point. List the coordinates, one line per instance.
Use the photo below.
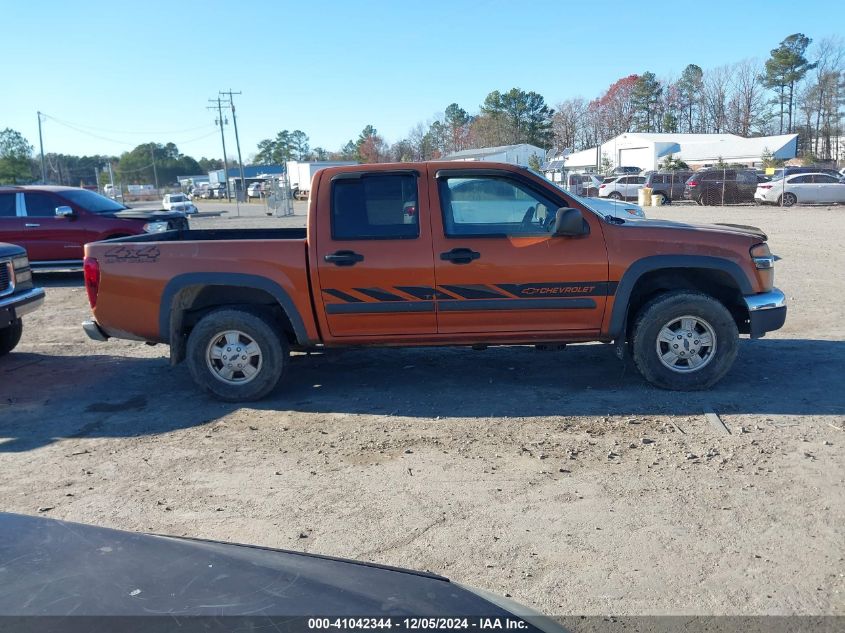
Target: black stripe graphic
(474, 291)
(367, 307)
(424, 292)
(342, 295)
(560, 289)
(379, 294)
(516, 304)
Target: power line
(111, 131)
(114, 140)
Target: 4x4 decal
(123, 254)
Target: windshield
(92, 202)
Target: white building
(647, 151)
(513, 154)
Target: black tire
(272, 358)
(659, 313)
(787, 200)
(615, 195)
(10, 337)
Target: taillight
(410, 210)
(764, 186)
(602, 186)
(692, 183)
(91, 272)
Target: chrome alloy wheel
(686, 344)
(233, 357)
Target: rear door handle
(460, 255)
(344, 258)
(31, 226)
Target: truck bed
(208, 235)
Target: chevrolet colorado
(437, 253)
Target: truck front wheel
(684, 341)
(236, 355)
(10, 336)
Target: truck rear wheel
(236, 355)
(10, 337)
(684, 341)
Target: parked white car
(801, 188)
(622, 188)
(254, 190)
(178, 202)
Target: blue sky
(136, 72)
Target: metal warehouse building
(647, 151)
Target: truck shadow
(44, 398)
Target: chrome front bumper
(22, 303)
(766, 312)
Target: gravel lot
(560, 478)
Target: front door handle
(344, 258)
(460, 255)
(31, 226)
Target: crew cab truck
(17, 295)
(437, 253)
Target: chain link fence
(278, 198)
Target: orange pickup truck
(437, 253)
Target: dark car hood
(152, 215)
(734, 229)
(53, 567)
(10, 250)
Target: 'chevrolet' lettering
(565, 290)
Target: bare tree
(568, 124)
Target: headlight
(155, 227)
(20, 262)
(635, 211)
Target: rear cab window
(375, 206)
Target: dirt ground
(560, 478)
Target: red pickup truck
(437, 253)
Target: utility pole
(155, 171)
(41, 143)
(237, 140)
(220, 121)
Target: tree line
(799, 88)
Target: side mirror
(64, 212)
(570, 222)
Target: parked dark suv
(721, 186)
(670, 184)
(53, 224)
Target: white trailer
(300, 174)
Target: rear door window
(7, 205)
(375, 206)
